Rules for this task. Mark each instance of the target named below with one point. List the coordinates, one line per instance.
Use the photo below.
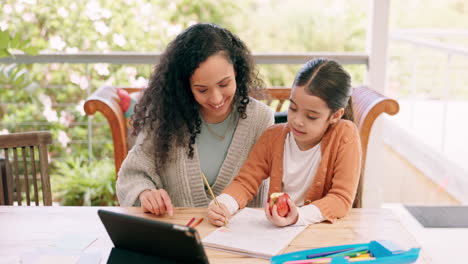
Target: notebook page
(250, 233)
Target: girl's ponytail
(348, 111)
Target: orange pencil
(190, 222)
(197, 223)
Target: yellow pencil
(211, 192)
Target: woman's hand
(217, 215)
(157, 202)
(290, 219)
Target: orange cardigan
(335, 183)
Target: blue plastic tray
(384, 251)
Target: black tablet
(170, 243)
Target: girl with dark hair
(315, 157)
(195, 117)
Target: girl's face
(213, 85)
(309, 118)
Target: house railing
(150, 58)
(433, 101)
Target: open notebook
(250, 233)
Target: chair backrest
(367, 106)
(23, 154)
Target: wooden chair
(16, 176)
(367, 106)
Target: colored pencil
(360, 255)
(326, 260)
(360, 259)
(362, 249)
(190, 222)
(356, 254)
(323, 254)
(197, 223)
(311, 261)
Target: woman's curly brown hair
(168, 107)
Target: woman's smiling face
(213, 85)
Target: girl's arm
(245, 185)
(256, 169)
(309, 214)
(229, 201)
(339, 199)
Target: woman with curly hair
(195, 117)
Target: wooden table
(26, 228)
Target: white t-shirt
(299, 169)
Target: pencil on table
(190, 222)
(197, 223)
(211, 192)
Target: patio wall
(391, 178)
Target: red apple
(281, 201)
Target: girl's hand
(217, 215)
(290, 219)
(156, 202)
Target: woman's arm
(256, 169)
(137, 173)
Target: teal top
(213, 143)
